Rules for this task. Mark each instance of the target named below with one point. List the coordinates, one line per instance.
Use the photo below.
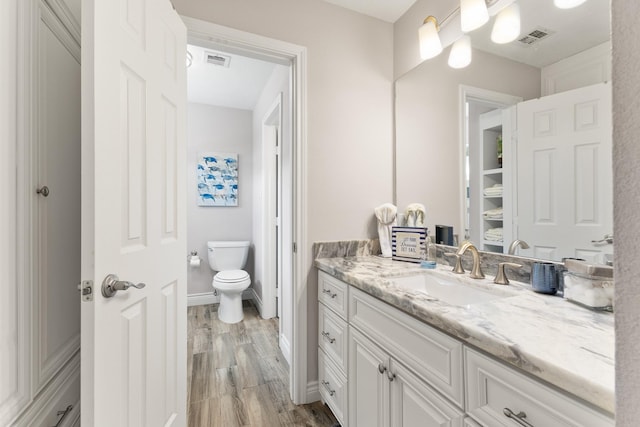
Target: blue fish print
(230, 161)
(210, 159)
(207, 196)
(200, 167)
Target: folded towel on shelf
(493, 213)
(493, 234)
(495, 190)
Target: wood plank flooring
(237, 375)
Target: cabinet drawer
(431, 354)
(333, 336)
(493, 388)
(333, 293)
(333, 387)
(468, 422)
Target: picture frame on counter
(408, 243)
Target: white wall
(626, 175)
(225, 130)
(428, 148)
(349, 120)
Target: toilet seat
(231, 276)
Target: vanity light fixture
(507, 25)
(460, 55)
(567, 4)
(473, 14)
(430, 44)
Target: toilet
(228, 258)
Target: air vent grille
(536, 35)
(217, 59)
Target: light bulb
(473, 14)
(430, 45)
(567, 4)
(460, 55)
(507, 26)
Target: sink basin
(446, 290)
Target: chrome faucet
(514, 245)
(476, 271)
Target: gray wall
(626, 204)
(428, 150)
(226, 130)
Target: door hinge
(86, 290)
(295, 247)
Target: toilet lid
(232, 276)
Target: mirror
(437, 127)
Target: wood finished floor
(237, 375)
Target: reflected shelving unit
(494, 179)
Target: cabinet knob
(391, 376)
(381, 368)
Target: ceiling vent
(217, 59)
(535, 36)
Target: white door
(133, 213)
(565, 181)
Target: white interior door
(133, 213)
(565, 181)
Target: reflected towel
(495, 190)
(493, 213)
(493, 234)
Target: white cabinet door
(415, 404)
(565, 182)
(368, 383)
(133, 213)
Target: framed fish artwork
(217, 179)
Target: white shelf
(496, 171)
(493, 243)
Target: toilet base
(230, 308)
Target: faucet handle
(458, 269)
(501, 278)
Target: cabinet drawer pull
(391, 376)
(381, 368)
(328, 292)
(63, 414)
(328, 337)
(519, 417)
(326, 385)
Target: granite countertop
(546, 336)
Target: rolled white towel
(386, 215)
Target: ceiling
(238, 86)
(386, 10)
(574, 30)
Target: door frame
(204, 33)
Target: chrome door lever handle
(44, 191)
(111, 285)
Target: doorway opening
(294, 296)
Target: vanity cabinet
(380, 367)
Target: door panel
(565, 181)
(367, 385)
(134, 224)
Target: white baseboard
(209, 298)
(285, 348)
(313, 391)
(258, 302)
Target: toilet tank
(227, 255)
